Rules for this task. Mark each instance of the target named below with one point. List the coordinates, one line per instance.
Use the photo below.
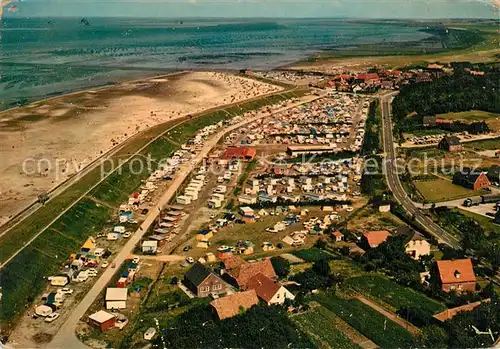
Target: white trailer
(183, 200)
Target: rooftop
(456, 271)
(263, 286)
(375, 238)
(101, 316)
(230, 305)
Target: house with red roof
(369, 78)
(242, 153)
(373, 239)
(239, 272)
(271, 292)
(455, 275)
(233, 304)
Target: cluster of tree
(281, 266)
(469, 329)
(259, 327)
(473, 235)
(458, 92)
(371, 142)
(391, 258)
(319, 276)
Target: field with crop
(319, 324)
(441, 190)
(366, 320)
(389, 292)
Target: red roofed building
(337, 236)
(369, 78)
(233, 304)
(268, 290)
(242, 153)
(456, 275)
(241, 273)
(373, 239)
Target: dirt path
(405, 324)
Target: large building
(202, 282)
(456, 275)
(372, 239)
(240, 272)
(471, 180)
(450, 143)
(234, 304)
(241, 153)
(271, 292)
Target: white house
(116, 298)
(417, 246)
(269, 291)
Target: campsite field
(320, 326)
(441, 190)
(366, 320)
(389, 292)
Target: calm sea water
(46, 57)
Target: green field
(86, 217)
(366, 320)
(492, 119)
(442, 190)
(487, 144)
(381, 288)
(313, 254)
(319, 324)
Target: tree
(281, 266)
(472, 234)
(322, 267)
(431, 337)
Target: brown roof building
(373, 239)
(269, 291)
(233, 304)
(450, 143)
(202, 282)
(456, 275)
(241, 272)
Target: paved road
(394, 184)
(65, 337)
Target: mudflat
(47, 141)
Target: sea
(45, 57)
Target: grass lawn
(487, 144)
(384, 332)
(492, 119)
(397, 296)
(442, 190)
(313, 254)
(319, 325)
(487, 223)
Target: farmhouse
(471, 180)
(202, 282)
(102, 320)
(116, 298)
(242, 153)
(240, 272)
(232, 305)
(417, 246)
(450, 143)
(455, 275)
(268, 290)
(373, 239)
(337, 236)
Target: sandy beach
(74, 130)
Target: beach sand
(76, 129)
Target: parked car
(104, 265)
(121, 323)
(66, 290)
(144, 211)
(52, 317)
(186, 248)
(136, 260)
(190, 260)
(127, 234)
(213, 215)
(239, 221)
